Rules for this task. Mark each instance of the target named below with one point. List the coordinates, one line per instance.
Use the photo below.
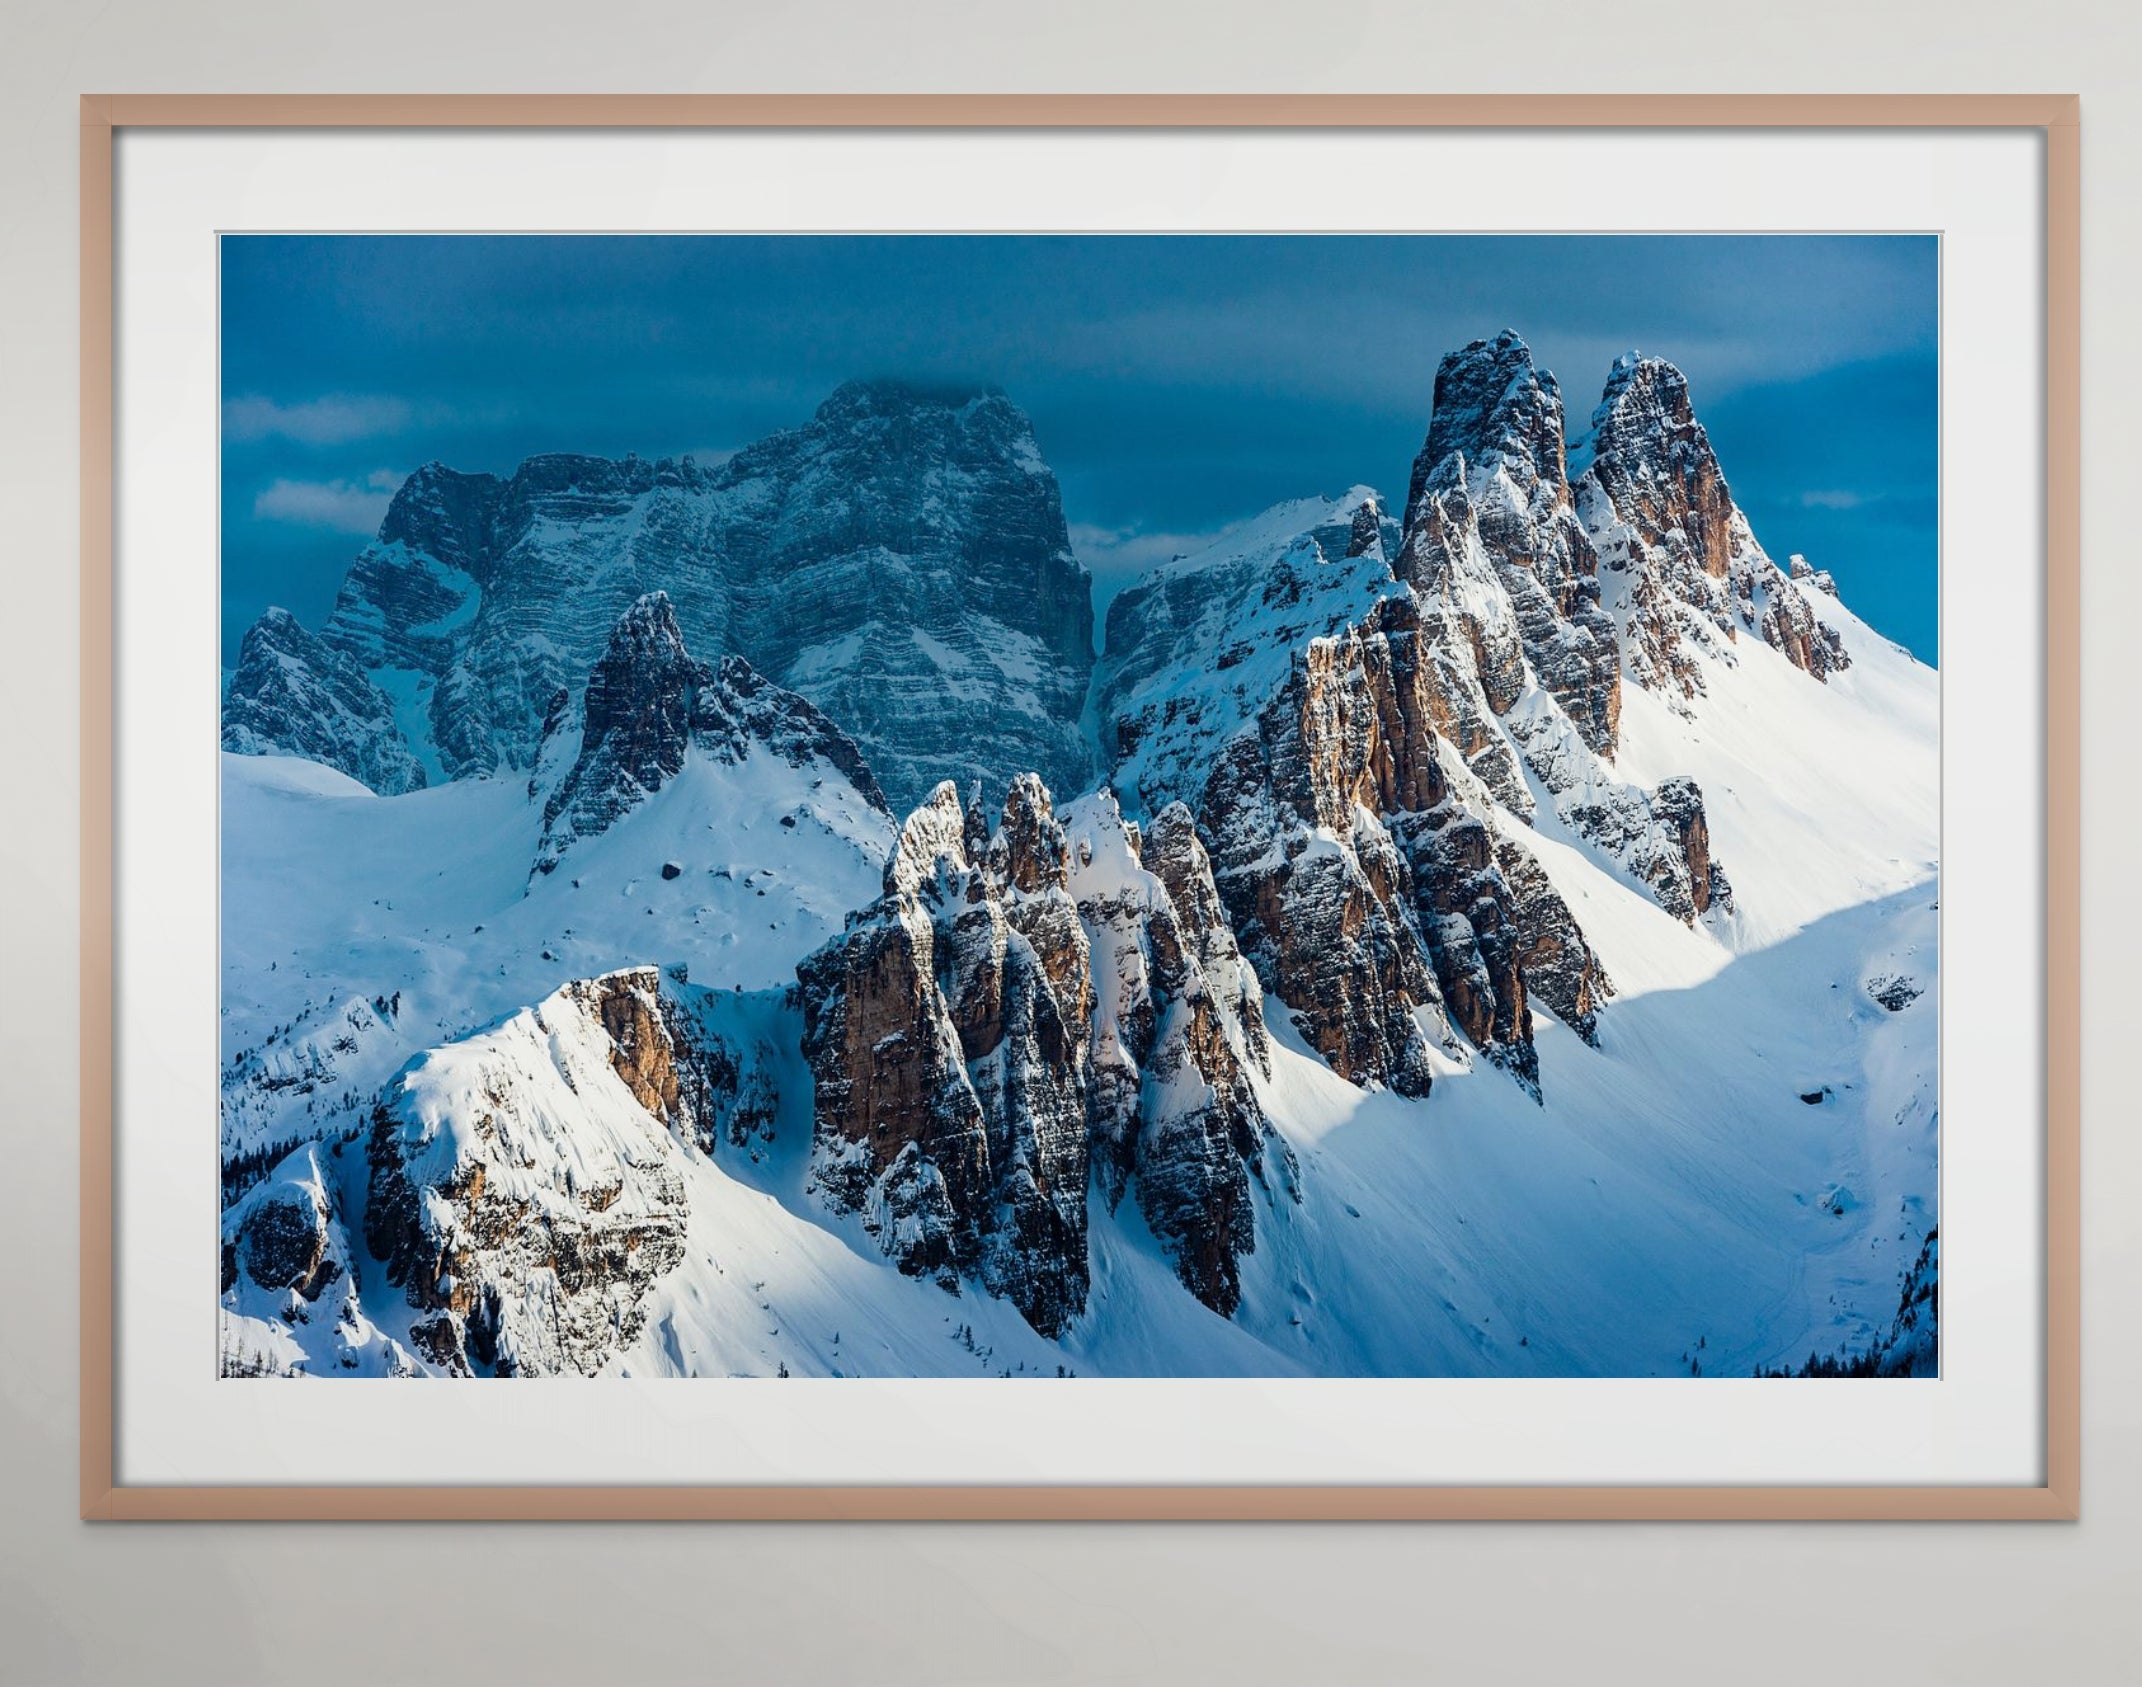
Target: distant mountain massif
(696, 921)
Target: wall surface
(942, 1604)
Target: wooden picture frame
(104, 1496)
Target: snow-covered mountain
(1504, 939)
(292, 695)
(901, 561)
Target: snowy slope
(1674, 1191)
(424, 903)
(1739, 1173)
(1198, 644)
(1820, 796)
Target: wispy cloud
(1832, 500)
(1131, 550)
(334, 419)
(344, 505)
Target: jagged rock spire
(981, 1038)
(648, 705)
(1688, 575)
(1490, 495)
(293, 695)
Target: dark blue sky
(1176, 383)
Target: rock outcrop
(1197, 645)
(1366, 728)
(524, 1187)
(647, 705)
(1688, 576)
(1318, 893)
(292, 695)
(1023, 1008)
(282, 1235)
(1527, 662)
(289, 1296)
(901, 560)
(1495, 463)
(945, 1030)
(1177, 1028)
(1365, 885)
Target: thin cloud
(343, 505)
(1131, 550)
(334, 419)
(1832, 500)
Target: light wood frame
(2058, 116)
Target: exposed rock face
(293, 695)
(1661, 839)
(1364, 802)
(524, 1186)
(1364, 885)
(1023, 1006)
(1678, 805)
(1177, 1027)
(945, 1030)
(282, 1239)
(1526, 662)
(1197, 646)
(1318, 893)
(286, 1268)
(1496, 435)
(1688, 576)
(1556, 963)
(1798, 568)
(647, 705)
(1789, 623)
(901, 560)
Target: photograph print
(1072, 806)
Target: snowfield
(671, 1052)
(1737, 1176)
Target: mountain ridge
(1437, 837)
(899, 560)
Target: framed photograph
(1059, 807)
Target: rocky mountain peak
(1687, 575)
(647, 706)
(901, 559)
(524, 1192)
(1028, 850)
(1364, 532)
(1016, 1011)
(1653, 459)
(945, 1029)
(1498, 409)
(636, 725)
(291, 694)
(446, 515)
(1492, 534)
(932, 837)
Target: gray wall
(1475, 1604)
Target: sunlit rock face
(525, 1193)
(1024, 1008)
(1686, 576)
